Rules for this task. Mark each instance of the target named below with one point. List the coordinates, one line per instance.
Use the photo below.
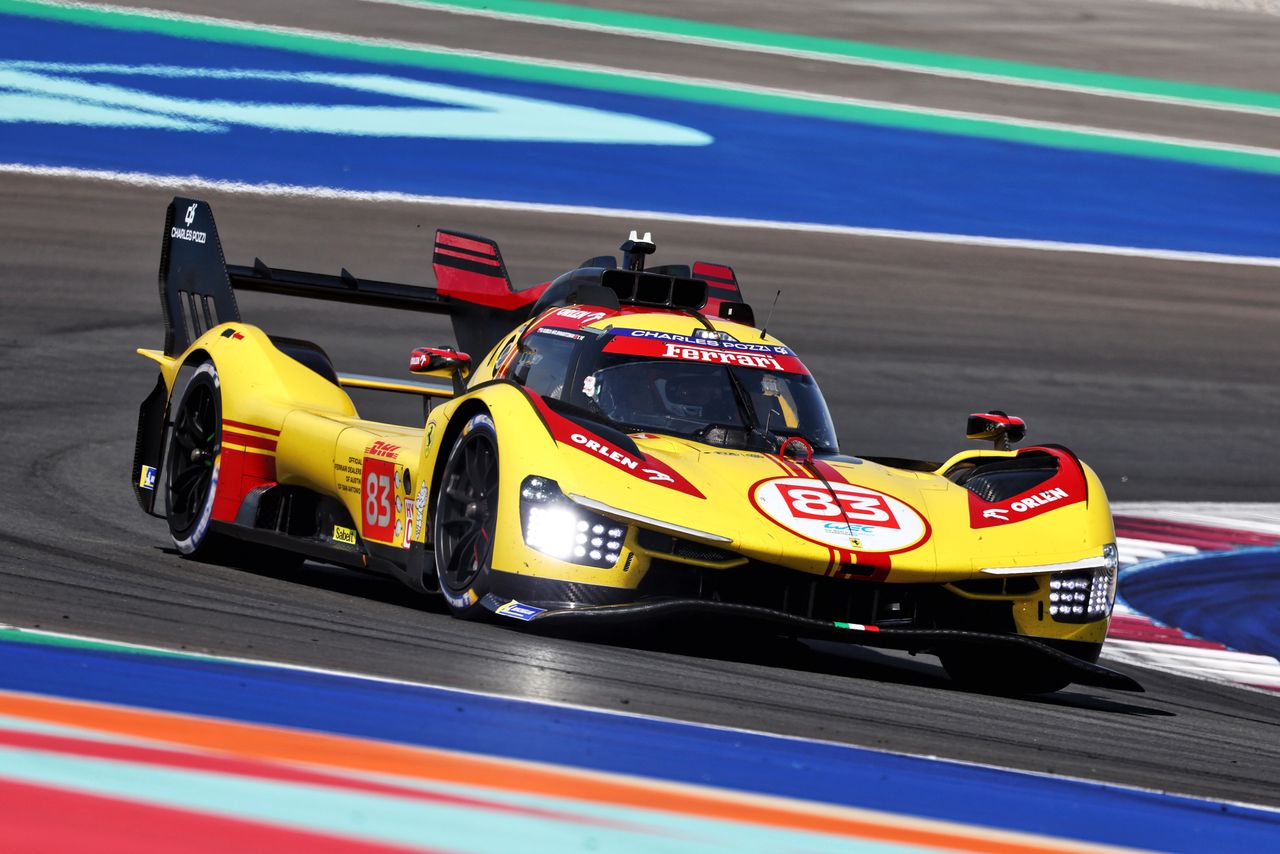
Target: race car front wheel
(195, 447)
(466, 518)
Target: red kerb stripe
(37, 818)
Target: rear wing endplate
(197, 286)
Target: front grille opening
(655, 541)
(1016, 585)
(777, 588)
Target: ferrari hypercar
(620, 444)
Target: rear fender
(153, 421)
(259, 385)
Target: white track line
(194, 182)
(838, 59)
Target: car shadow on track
(725, 642)
(372, 586)
(715, 640)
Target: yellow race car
(622, 443)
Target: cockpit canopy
(710, 389)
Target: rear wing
(197, 286)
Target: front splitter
(916, 640)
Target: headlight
(1086, 595)
(557, 527)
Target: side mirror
(999, 427)
(441, 361)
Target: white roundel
(840, 514)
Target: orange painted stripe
(289, 745)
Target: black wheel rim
(467, 512)
(196, 444)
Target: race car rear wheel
(1003, 671)
(195, 447)
(466, 518)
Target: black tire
(1003, 671)
(191, 469)
(466, 518)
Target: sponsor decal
(386, 450)
(722, 357)
(232, 334)
(707, 338)
(459, 600)
(187, 235)
(668, 345)
(344, 535)
(619, 459)
(1048, 496)
(1065, 488)
(519, 610)
(840, 515)
(649, 469)
(580, 315)
(857, 627)
(849, 530)
(560, 333)
(568, 318)
(419, 509)
(147, 478)
(377, 499)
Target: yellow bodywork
(322, 444)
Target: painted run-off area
(526, 133)
(286, 756)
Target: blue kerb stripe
(667, 750)
(1230, 597)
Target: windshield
(728, 405)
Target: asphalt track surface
(1159, 373)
